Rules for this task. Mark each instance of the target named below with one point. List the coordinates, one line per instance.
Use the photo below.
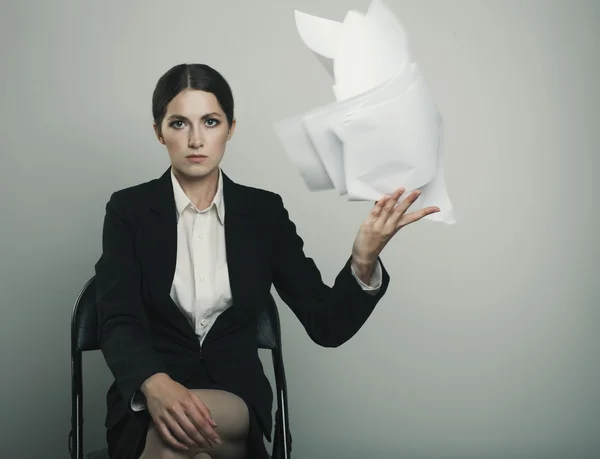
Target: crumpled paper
(384, 130)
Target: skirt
(127, 438)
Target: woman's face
(195, 132)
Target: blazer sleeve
(330, 315)
(122, 323)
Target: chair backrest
(85, 322)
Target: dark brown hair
(190, 76)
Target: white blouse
(201, 283)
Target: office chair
(84, 324)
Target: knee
(236, 422)
(156, 448)
(231, 414)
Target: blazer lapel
(161, 233)
(238, 243)
(160, 239)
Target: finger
(378, 207)
(203, 419)
(405, 204)
(416, 216)
(192, 430)
(382, 213)
(204, 425)
(398, 211)
(177, 431)
(168, 438)
(391, 203)
(204, 410)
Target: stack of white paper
(385, 131)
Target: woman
(188, 261)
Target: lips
(196, 158)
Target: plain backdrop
(487, 342)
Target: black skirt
(127, 438)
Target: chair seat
(101, 454)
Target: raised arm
(330, 315)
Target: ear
(158, 135)
(231, 130)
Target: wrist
(153, 381)
(364, 262)
(363, 269)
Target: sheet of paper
(327, 143)
(320, 35)
(302, 154)
(390, 144)
(435, 194)
(371, 49)
(384, 131)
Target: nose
(196, 139)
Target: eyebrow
(204, 117)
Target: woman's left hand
(383, 222)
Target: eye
(213, 122)
(174, 124)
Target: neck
(200, 190)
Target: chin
(196, 170)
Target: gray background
(490, 327)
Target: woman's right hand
(181, 418)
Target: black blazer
(141, 330)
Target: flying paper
(384, 130)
